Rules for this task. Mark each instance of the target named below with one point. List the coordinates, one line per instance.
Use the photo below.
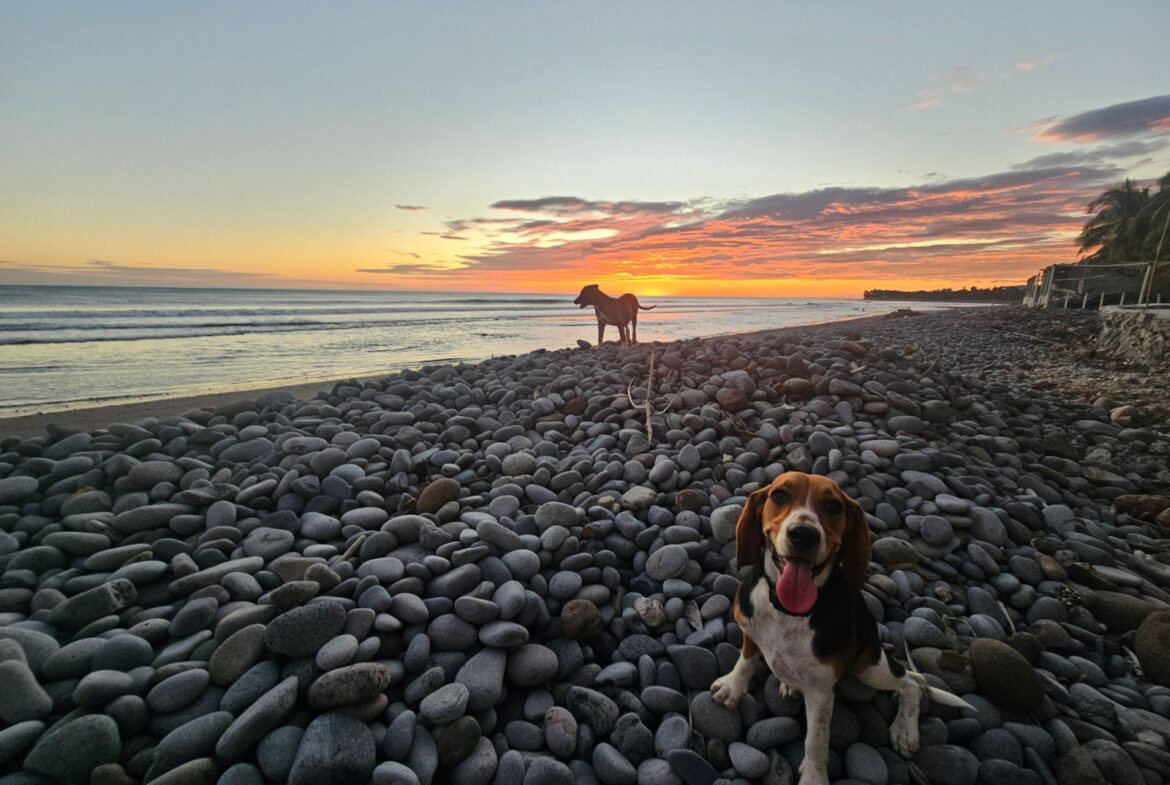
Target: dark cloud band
(1149, 115)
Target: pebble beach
(521, 571)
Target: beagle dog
(800, 607)
(622, 312)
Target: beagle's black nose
(804, 536)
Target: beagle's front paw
(727, 690)
(813, 775)
(904, 736)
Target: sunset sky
(770, 148)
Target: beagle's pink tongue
(795, 589)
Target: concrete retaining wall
(1139, 334)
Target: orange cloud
(830, 241)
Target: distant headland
(972, 294)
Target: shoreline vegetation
(971, 294)
(523, 569)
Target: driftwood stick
(646, 403)
(1037, 338)
(670, 403)
(349, 552)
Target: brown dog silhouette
(622, 312)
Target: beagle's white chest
(786, 643)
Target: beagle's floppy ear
(749, 531)
(856, 544)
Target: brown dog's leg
(634, 322)
(600, 332)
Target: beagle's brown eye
(780, 496)
(832, 506)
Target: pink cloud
(1000, 226)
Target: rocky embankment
(510, 573)
(1065, 351)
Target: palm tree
(1118, 228)
(1156, 214)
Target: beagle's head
(800, 527)
(587, 296)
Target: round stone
(69, 752)
(669, 561)
(268, 543)
(349, 685)
(445, 704)
(920, 632)
(611, 766)
(865, 764)
(564, 585)
(178, 691)
(400, 735)
(503, 634)
(277, 750)
(483, 675)
(748, 761)
(257, 719)
(191, 740)
(1152, 646)
(948, 764)
(300, 632)
(338, 652)
(936, 530)
(518, 464)
(436, 494)
(17, 739)
(334, 750)
(478, 767)
(552, 514)
(1005, 676)
(715, 721)
(581, 619)
(409, 608)
(98, 688)
(392, 773)
(723, 522)
(16, 489)
(457, 740)
(531, 665)
(237, 654)
(560, 731)
(24, 699)
(545, 771)
(123, 653)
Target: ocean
(73, 347)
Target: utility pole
(1157, 255)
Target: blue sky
(271, 143)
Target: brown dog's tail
(647, 307)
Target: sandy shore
(27, 426)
